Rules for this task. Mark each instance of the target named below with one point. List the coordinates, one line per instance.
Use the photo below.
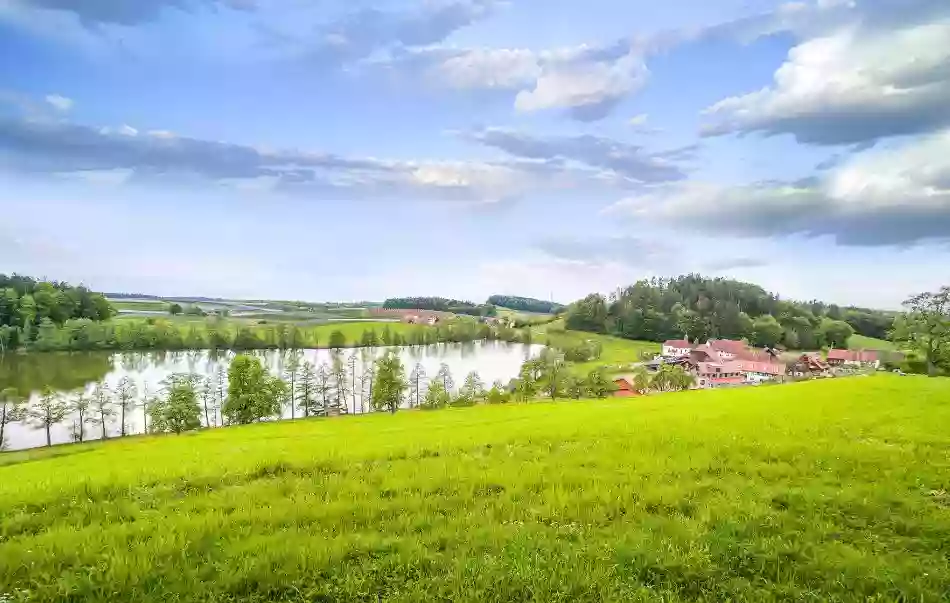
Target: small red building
(624, 389)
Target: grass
(819, 491)
(617, 353)
(142, 306)
(861, 342)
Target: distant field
(860, 342)
(143, 306)
(820, 491)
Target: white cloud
(502, 68)
(638, 121)
(878, 197)
(60, 103)
(854, 84)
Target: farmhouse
(809, 365)
(868, 358)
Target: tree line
(218, 333)
(525, 304)
(697, 308)
(439, 304)
(27, 303)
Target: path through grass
(821, 491)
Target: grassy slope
(860, 342)
(617, 353)
(142, 306)
(818, 491)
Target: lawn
(860, 342)
(819, 491)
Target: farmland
(616, 353)
(820, 491)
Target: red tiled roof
(768, 368)
(728, 345)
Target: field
(860, 342)
(141, 305)
(820, 491)
(617, 354)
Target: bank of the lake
(70, 372)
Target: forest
(439, 304)
(27, 304)
(525, 304)
(698, 308)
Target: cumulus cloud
(877, 197)
(62, 148)
(119, 12)
(627, 160)
(863, 71)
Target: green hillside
(820, 491)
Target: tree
(498, 394)
(179, 411)
(766, 331)
(102, 407)
(417, 384)
(253, 394)
(175, 309)
(598, 384)
(12, 410)
(291, 368)
(436, 397)
(641, 380)
(473, 388)
(671, 379)
(588, 314)
(125, 393)
(445, 376)
(49, 410)
(351, 370)
(926, 326)
(337, 340)
(390, 383)
(835, 332)
(208, 394)
(306, 399)
(574, 387)
(341, 385)
(367, 378)
(552, 372)
(323, 386)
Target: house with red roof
(855, 358)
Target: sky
(359, 149)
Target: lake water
(70, 373)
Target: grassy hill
(820, 491)
(861, 342)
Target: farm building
(868, 358)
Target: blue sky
(359, 150)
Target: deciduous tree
(926, 326)
(417, 385)
(48, 410)
(102, 407)
(253, 394)
(390, 383)
(12, 410)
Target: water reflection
(72, 372)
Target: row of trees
(695, 307)
(525, 304)
(217, 333)
(26, 303)
(439, 304)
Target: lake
(72, 372)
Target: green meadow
(820, 491)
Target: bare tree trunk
(48, 441)
(102, 420)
